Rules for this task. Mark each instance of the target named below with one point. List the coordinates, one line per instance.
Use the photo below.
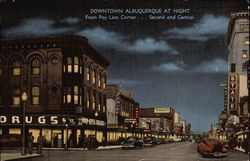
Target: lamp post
(96, 115)
(66, 123)
(24, 99)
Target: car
(212, 147)
(132, 142)
(158, 141)
(149, 141)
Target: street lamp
(66, 123)
(96, 115)
(24, 99)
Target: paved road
(167, 152)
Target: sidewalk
(5, 156)
(81, 149)
(17, 156)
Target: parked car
(158, 141)
(212, 147)
(132, 142)
(91, 142)
(169, 140)
(11, 141)
(149, 141)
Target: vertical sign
(233, 92)
(137, 110)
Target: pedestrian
(103, 141)
(40, 142)
(56, 141)
(84, 141)
(30, 143)
(80, 141)
(71, 141)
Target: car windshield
(131, 139)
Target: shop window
(88, 99)
(35, 66)
(69, 64)
(16, 67)
(14, 131)
(16, 96)
(247, 40)
(76, 94)
(76, 64)
(244, 54)
(35, 95)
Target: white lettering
(15, 119)
(41, 120)
(3, 119)
(54, 120)
(28, 119)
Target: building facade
(65, 81)
(238, 62)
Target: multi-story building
(122, 112)
(65, 81)
(238, 61)
(157, 120)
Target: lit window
(104, 82)
(69, 64)
(93, 101)
(80, 96)
(244, 54)
(94, 76)
(35, 95)
(99, 102)
(88, 72)
(247, 41)
(76, 64)
(242, 27)
(54, 60)
(81, 66)
(99, 79)
(76, 94)
(88, 99)
(35, 66)
(16, 68)
(104, 104)
(16, 96)
(68, 95)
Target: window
(16, 68)
(104, 82)
(244, 54)
(99, 102)
(93, 101)
(104, 104)
(76, 64)
(1, 97)
(247, 26)
(233, 67)
(247, 41)
(35, 95)
(99, 79)
(88, 99)
(16, 96)
(94, 76)
(80, 96)
(76, 94)
(1, 67)
(54, 60)
(35, 66)
(81, 66)
(242, 27)
(88, 72)
(69, 64)
(68, 95)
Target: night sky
(176, 63)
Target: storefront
(54, 128)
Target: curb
(80, 149)
(23, 157)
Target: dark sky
(164, 63)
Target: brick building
(64, 78)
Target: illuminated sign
(49, 120)
(233, 93)
(161, 110)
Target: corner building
(64, 78)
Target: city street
(170, 152)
